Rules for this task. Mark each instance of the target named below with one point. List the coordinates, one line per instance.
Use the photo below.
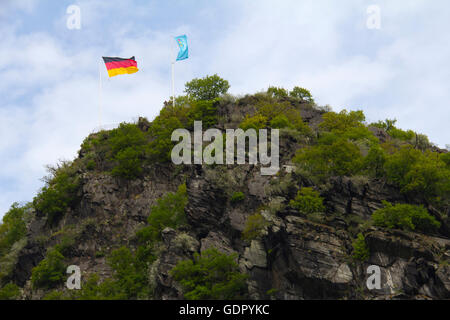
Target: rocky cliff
(295, 256)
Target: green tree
(301, 93)
(360, 249)
(254, 225)
(275, 92)
(374, 161)
(308, 201)
(331, 156)
(389, 126)
(404, 216)
(419, 174)
(168, 212)
(13, 227)
(256, 122)
(128, 146)
(205, 111)
(9, 292)
(60, 191)
(130, 273)
(50, 271)
(279, 122)
(207, 88)
(161, 143)
(211, 275)
(342, 121)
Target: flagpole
(173, 83)
(100, 96)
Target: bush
(374, 161)
(254, 226)
(92, 289)
(275, 92)
(389, 126)
(342, 121)
(331, 156)
(129, 163)
(256, 122)
(168, 212)
(445, 157)
(211, 275)
(128, 146)
(360, 249)
(308, 201)
(50, 271)
(404, 216)
(13, 227)
(205, 111)
(130, 272)
(279, 122)
(301, 93)
(418, 174)
(10, 292)
(161, 133)
(207, 88)
(237, 196)
(59, 193)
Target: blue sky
(49, 74)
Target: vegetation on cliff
(321, 148)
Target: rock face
(294, 258)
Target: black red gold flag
(116, 66)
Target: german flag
(116, 66)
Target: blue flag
(183, 45)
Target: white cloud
(6, 6)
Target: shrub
(256, 122)
(60, 191)
(50, 271)
(168, 212)
(445, 157)
(331, 156)
(129, 163)
(10, 292)
(279, 122)
(275, 92)
(54, 295)
(130, 272)
(374, 161)
(205, 111)
(207, 88)
(389, 126)
(254, 226)
(128, 146)
(160, 131)
(92, 289)
(418, 174)
(404, 216)
(342, 121)
(211, 275)
(237, 196)
(13, 227)
(308, 201)
(301, 93)
(360, 248)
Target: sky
(50, 74)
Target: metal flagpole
(100, 95)
(173, 84)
